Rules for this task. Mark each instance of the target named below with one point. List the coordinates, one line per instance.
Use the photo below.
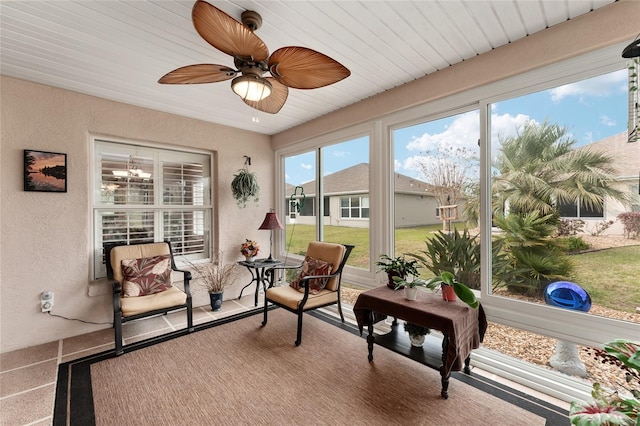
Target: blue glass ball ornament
(568, 295)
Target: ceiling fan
(291, 66)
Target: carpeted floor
(240, 373)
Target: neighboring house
(626, 162)
(346, 200)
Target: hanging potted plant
(244, 187)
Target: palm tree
(541, 167)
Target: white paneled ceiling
(119, 49)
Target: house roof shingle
(355, 179)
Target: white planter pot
(410, 293)
(417, 340)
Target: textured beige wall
(45, 237)
(614, 23)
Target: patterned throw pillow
(146, 276)
(312, 266)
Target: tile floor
(28, 376)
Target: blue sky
(590, 109)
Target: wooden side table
(462, 327)
(257, 270)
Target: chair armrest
(305, 281)
(186, 280)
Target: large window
(144, 194)
(564, 152)
(338, 174)
(435, 170)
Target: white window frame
(159, 153)
(361, 199)
(579, 327)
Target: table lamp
(271, 222)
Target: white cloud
(463, 132)
(607, 121)
(603, 85)
(507, 125)
(340, 154)
(306, 166)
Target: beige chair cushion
(136, 251)
(291, 297)
(173, 296)
(329, 252)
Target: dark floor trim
(74, 397)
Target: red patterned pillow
(145, 276)
(312, 266)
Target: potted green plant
(447, 283)
(417, 333)
(410, 287)
(244, 187)
(214, 276)
(609, 407)
(397, 267)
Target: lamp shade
(271, 221)
(251, 87)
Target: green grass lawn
(407, 240)
(611, 277)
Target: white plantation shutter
(144, 194)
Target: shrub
(570, 227)
(631, 222)
(573, 244)
(537, 257)
(459, 253)
(453, 252)
(600, 227)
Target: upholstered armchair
(317, 284)
(140, 275)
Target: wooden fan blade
(303, 68)
(226, 34)
(275, 101)
(198, 74)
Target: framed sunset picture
(45, 171)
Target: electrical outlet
(46, 301)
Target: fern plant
(244, 187)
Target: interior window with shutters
(146, 194)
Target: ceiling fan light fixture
(251, 87)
